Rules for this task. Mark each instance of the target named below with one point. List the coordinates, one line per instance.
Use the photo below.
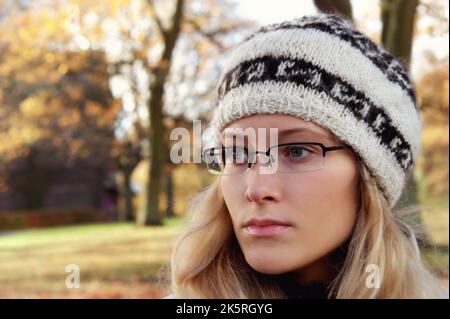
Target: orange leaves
(432, 91)
(76, 92)
(68, 119)
(32, 107)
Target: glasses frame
(325, 150)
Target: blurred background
(89, 92)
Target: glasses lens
(297, 157)
(226, 160)
(213, 160)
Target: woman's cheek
(232, 192)
(324, 204)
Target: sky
(265, 12)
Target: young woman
(306, 210)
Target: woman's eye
(296, 152)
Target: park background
(89, 92)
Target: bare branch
(341, 7)
(212, 35)
(158, 21)
(177, 18)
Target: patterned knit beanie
(321, 69)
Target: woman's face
(317, 208)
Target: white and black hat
(321, 69)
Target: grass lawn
(116, 260)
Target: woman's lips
(268, 230)
(265, 227)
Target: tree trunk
(35, 190)
(340, 7)
(169, 192)
(398, 25)
(127, 195)
(149, 213)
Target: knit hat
(321, 69)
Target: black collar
(295, 290)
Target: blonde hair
(207, 261)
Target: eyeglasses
(286, 158)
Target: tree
(90, 26)
(127, 154)
(149, 215)
(397, 17)
(148, 48)
(195, 29)
(341, 7)
(432, 93)
(55, 103)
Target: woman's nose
(262, 188)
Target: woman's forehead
(286, 125)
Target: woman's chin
(269, 265)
